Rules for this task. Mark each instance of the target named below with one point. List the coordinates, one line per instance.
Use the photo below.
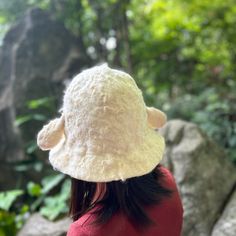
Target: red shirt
(168, 216)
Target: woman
(106, 141)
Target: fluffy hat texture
(106, 132)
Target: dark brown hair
(131, 197)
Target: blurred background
(182, 54)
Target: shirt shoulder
(83, 226)
(76, 230)
(168, 179)
(169, 182)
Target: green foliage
(38, 112)
(51, 206)
(57, 204)
(35, 105)
(8, 197)
(184, 52)
(180, 40)
(23, 119)
(7, 224)
(214, 114)
(11, 10)
(36, 197)
(34, 189)
(7, 219)
(48, 183)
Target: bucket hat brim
(108, 167)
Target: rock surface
(204, 175)
(37, 54)
(226, 225)
(39, 226)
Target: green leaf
(39, 117)
(8, 197)
(37, 103)
(57, 204)
(50, 182)
(31, 147)
(54, 207)
(33, 189)
(22, 119)
(7, 224)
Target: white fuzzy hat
(105, 132)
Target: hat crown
(105, 132)
(104, 112)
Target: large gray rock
(226, 225)
(10, 149)
(204, 175)
(37, 54)
(39, 226)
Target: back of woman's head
(106, 133)
(130, 197)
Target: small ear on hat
(51, 134)
(156, 118)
